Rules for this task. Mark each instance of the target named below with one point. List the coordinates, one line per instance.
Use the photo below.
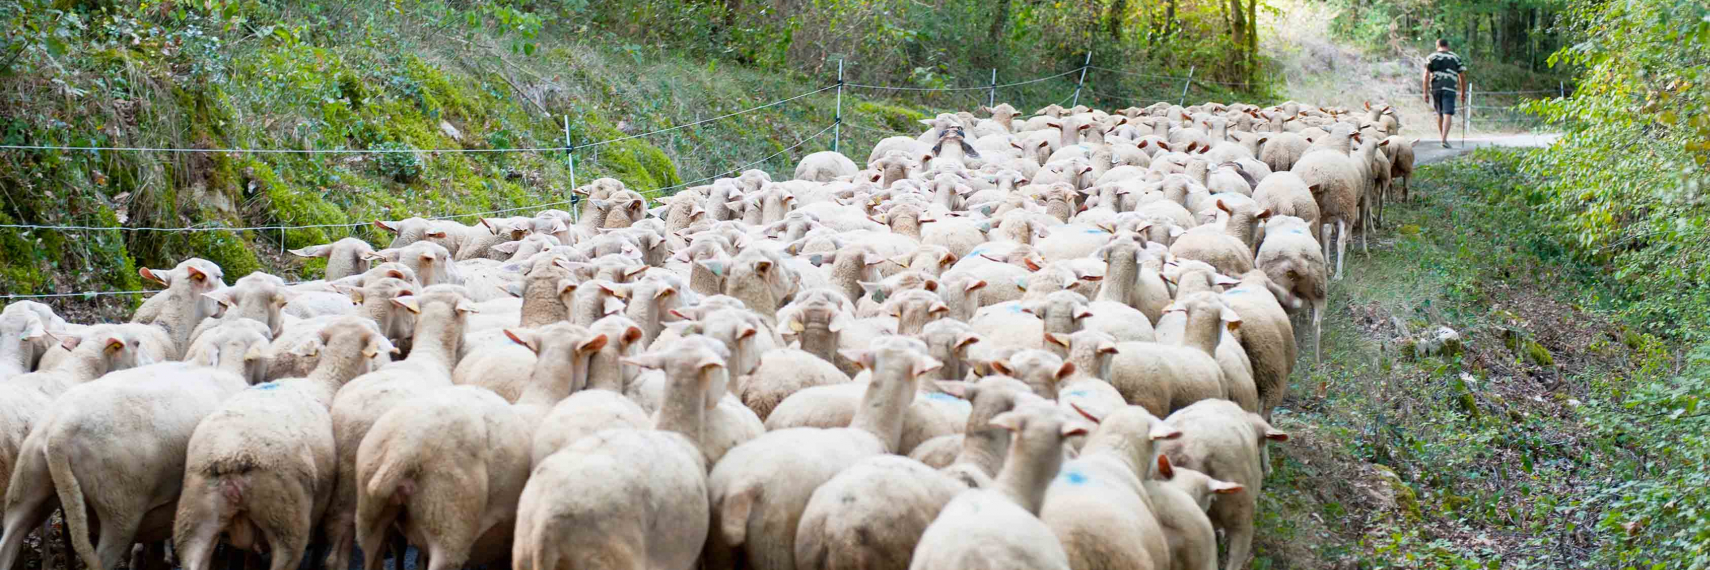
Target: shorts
(1443, 101)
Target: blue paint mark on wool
(1075, 477)
(267, 386)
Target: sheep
(237, 346)
(1265, 334)
(1219, 246)
(416, 463)
(931, 414)
(1281, 151)
(1232, 359)
(646, 488)
(782, 372)
(1162, 377)
(1285, 194)
(1097, 506)
(760, 488)
(182, 306)
(871, 515)
(1180, 500)
(1225, 442)
(153, 408)
(440, 313)
(1338, 179)
(1129, 280)
(344, 257)
(431, 262)
(25, 329)
(94, 352)
(999, 527)
(261, 467)
(1401, 160)
(258, 296)
(1295, 263)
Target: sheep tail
(391, 477)
(735, 511)
(71, 499)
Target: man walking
(1445, 77)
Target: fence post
(570, 157)
(991, 99)
(1183, 101)
(1078, 82)
(837, 127)
(1561, 88)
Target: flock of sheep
(1008, 343)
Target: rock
(1443, 341)
(450, 131)
(1526, 349)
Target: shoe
(1446, 145)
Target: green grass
(1475, 460)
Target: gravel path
(1428, 150)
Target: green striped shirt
(1445, 68)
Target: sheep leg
(371, 538)
(45, 547)
(197, 528)
(117, 533)
(1341, 245)
(1317, 331)
(1239, 534)
(339, 522)
(26, 510)
(1326, 233)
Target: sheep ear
(1274, 434)
(388, 226)
(1082, 313)
(313, 251)
(70, 342)
(307, 349)
(1231, 318)
(593, 344)
(1224, 280)
(967, 339)
(925, 365)
(1224, 487)
(959, 389)
(1107, 347)
(33, 329)
(1092, 415)
(466, 306)
(508, 247)
(1065, 371)
(528, 338)
(1074, 428)
(1011, 421)
(160, 277)
(976, 284)
(378, 344)
(645, 360)
(408, 303)
(1165, 470)
(862, 358)
(613, 306)
(1059, 339)
(1162, 431)
(1001, 367)
(223, 297)
(840, 322)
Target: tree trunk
(994, 34)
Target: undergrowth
(1559, 435)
